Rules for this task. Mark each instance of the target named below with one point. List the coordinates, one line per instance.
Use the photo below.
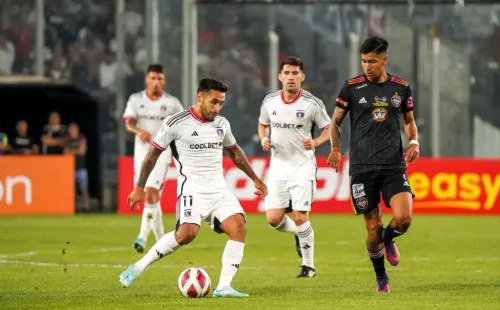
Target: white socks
(231, 260)
(165, 246)
(151, 220)
(287, 225)
(306, 238)
(156, 224)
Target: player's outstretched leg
(234, 227)
(165, 246)
(305, 235)
(401, 205)
(375, 247)
(277, 219)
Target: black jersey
(375, 114)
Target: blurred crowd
(56, 139)
(80, 46)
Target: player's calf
(402, 218)
(305, 234)
(234, 227)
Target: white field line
(95, 265)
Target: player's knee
(274, 220)
(186, 234)
(374, 231)
(300, 217)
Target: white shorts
(212, 208)
(281, 192)
(159, 172)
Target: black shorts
(366, 188)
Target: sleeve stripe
(231, 146)
(161, 148)
(326, 126)
(262, 123)
(129, 117)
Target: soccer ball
(194, 282)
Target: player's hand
(144, 136)
(412, 153)
(334, 159)
(309, 144)
(260, 188)
(135, 198)
(267, 144)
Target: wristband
(263, 140)
(414, 142)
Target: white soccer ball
(194, 282)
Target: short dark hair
(292, 61)
(377, 45)
(207, 84)
(157, 68)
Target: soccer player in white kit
(197, 138)
(144, 116)
(292, 113)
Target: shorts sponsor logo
(358, 190)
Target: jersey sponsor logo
(379, 114)
(396, 100)
(163, 108)
(362, 100)
(206, 145)
(274, 113)
(301, 114)
(285, 126)
(194, 134)
(380, 101)
(152, 117)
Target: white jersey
(149, 114)
(290, 123)
(197, 147)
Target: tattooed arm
(337, 118)
(240, 160)
(148, 164)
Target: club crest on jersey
(220, 131)
(187, 213)
(301, 114)
(379, 114)
(396, 100)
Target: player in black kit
(376, 101)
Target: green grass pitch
(447, 262)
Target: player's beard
(208, 116)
